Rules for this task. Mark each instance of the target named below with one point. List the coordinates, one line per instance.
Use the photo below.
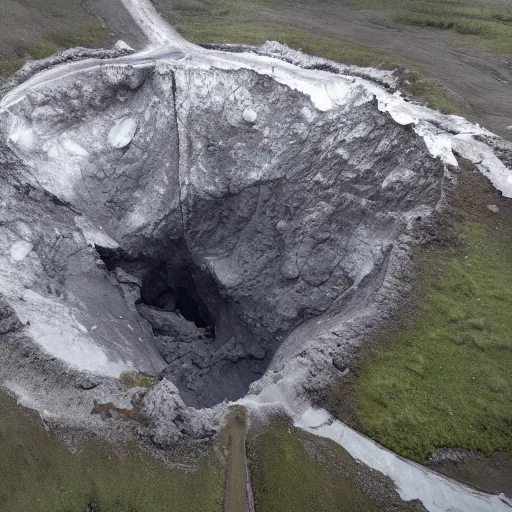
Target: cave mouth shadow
(172, 288)
(212, 354)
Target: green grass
(90, 36)
(486, 23)
(133, 380)
(286, 478)
(225, 23)
(39, 474)
(297, 472)
(38, 28)
(446, 381)
(428, 91)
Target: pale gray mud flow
(118, 21)
(227, 223)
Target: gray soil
(491, 474)
(118, 21)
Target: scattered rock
(249, 116)
(92, 506)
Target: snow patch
(484, 158)
(56, 330)
(21, 133)
(437, 493)
(402, 118)
(122, 46)
(19, 250)
(122, 133)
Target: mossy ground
(440, 376)
(292, 470)
(134, 379)
(446, 382)
(39, 474)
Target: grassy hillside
(37, 28)
(440, 376)
(41, 475)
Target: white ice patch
(21, 133)
(19, 250)
(55, 329)
(249, 116)
(122, 46)
(436, 492)
(122, 133)
(402, 118)
(486, 161)
(439, 145)
(72, 147)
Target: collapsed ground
(457, 52)
(463, 68)
(418, 362)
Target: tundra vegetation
(293, 470)
(37, 28)
(483, 23)
(40, 473)
(440, 375)
(134, 379)
(446, 380)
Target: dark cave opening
(189, 308)
(170, 286)
(212, 353)
(111, 257)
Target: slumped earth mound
(185, 222)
